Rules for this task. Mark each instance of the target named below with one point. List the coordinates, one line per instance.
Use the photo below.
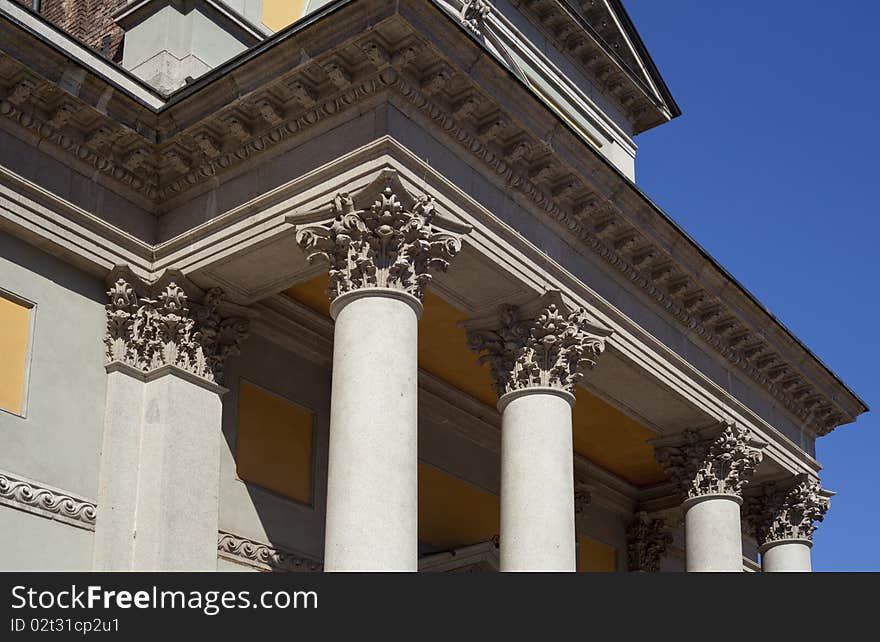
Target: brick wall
(86, 20)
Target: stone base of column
(537, 481)
(713, 534)
(160, 472)
(786, 556)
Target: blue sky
(773, 169)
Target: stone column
(782, 516)
(536, 354)
(160, 459)
(379, 257)
(647, 539)
(712, 467)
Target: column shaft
(713, 534)
(372, 494)
(787, 557)
(537, 481)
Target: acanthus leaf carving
(167, 329)
(781, 512)
(549, 349)
(717, 461)
(647, 539)
(386, 245)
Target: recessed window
(274, 447)
(15, 331)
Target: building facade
(361, 285)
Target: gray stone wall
(58, 441)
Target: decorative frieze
(786, 511)
(647, 539)
(263, 556)
(716, 461)
(393, 243)
(40, 499)
(163, 327)
(541, 345)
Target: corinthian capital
(646, 542)
(715, 461)
(394, 242)
(787, 511)
(541, 345)
(151, 326)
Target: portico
(397, 305)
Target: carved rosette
(718, 461)
(387, 245)
(167, 329)
(549, 349)
(646, 542)
(787, 511)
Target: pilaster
(159, 479)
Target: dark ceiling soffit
(290, 31)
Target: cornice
(46, 501)
(547, 168)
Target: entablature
(443, 79)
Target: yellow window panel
(274, 448)
(595, 557)
(454, 513)
(15, 322)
